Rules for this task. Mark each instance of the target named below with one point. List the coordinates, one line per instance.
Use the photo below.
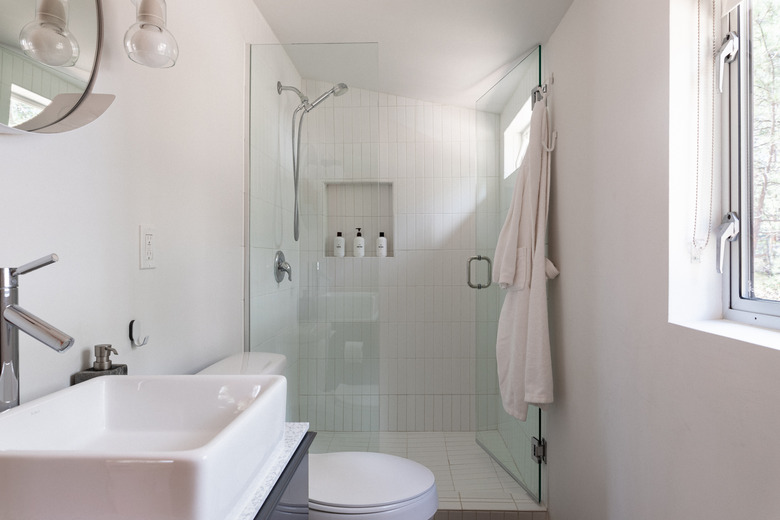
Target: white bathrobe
(520, 267)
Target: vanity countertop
(257, 492)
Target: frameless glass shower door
(325, 318)
(503, 117)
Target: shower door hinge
(539, 450)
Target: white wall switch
(147, 247)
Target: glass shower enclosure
(504, 115)
(325, 319)
(382, 344)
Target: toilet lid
(365, 479)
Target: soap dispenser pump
(103, 357)
(359, 245)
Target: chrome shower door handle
(479, 258)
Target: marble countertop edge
(258, 490)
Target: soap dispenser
(102, 366)
(338, 245)
(381, 245)
(359, 245)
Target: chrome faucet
(14, 318)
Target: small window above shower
(516, 139)
(359, 204)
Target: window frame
(737, 128)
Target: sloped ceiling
(445, 51)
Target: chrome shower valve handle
(281, 266)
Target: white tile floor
(466, 477)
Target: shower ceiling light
(47, 39)
(147, 41)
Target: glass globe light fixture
(47, 38)
(147, 41)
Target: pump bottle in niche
(359, 245)
(381, 245)
(338, 245)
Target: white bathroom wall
(169, 153)
(425, 327)
(651, 420)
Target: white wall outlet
(147, 246)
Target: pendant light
(147, 41)
(47, 38)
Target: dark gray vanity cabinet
(289, 498)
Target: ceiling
(444, 51)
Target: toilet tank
(249, 363)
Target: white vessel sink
(139, 447)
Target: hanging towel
(520, 267)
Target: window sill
(738, 331)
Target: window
(516, 138)
(25, 105)
(752, 125)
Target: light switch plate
(146, 247)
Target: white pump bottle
(359, 245)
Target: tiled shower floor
(466, 477)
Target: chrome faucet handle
(287, 269)
(281, 266)
(35, 264)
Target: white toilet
(355, 485)
(365, 485)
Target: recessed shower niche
(367, 205)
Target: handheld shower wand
(303, 108)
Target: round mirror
(49, 53)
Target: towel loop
(553, 141)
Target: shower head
(337, 90)
(340, 89)
(280, 88)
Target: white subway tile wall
(388, 344)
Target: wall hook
(132, 336)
